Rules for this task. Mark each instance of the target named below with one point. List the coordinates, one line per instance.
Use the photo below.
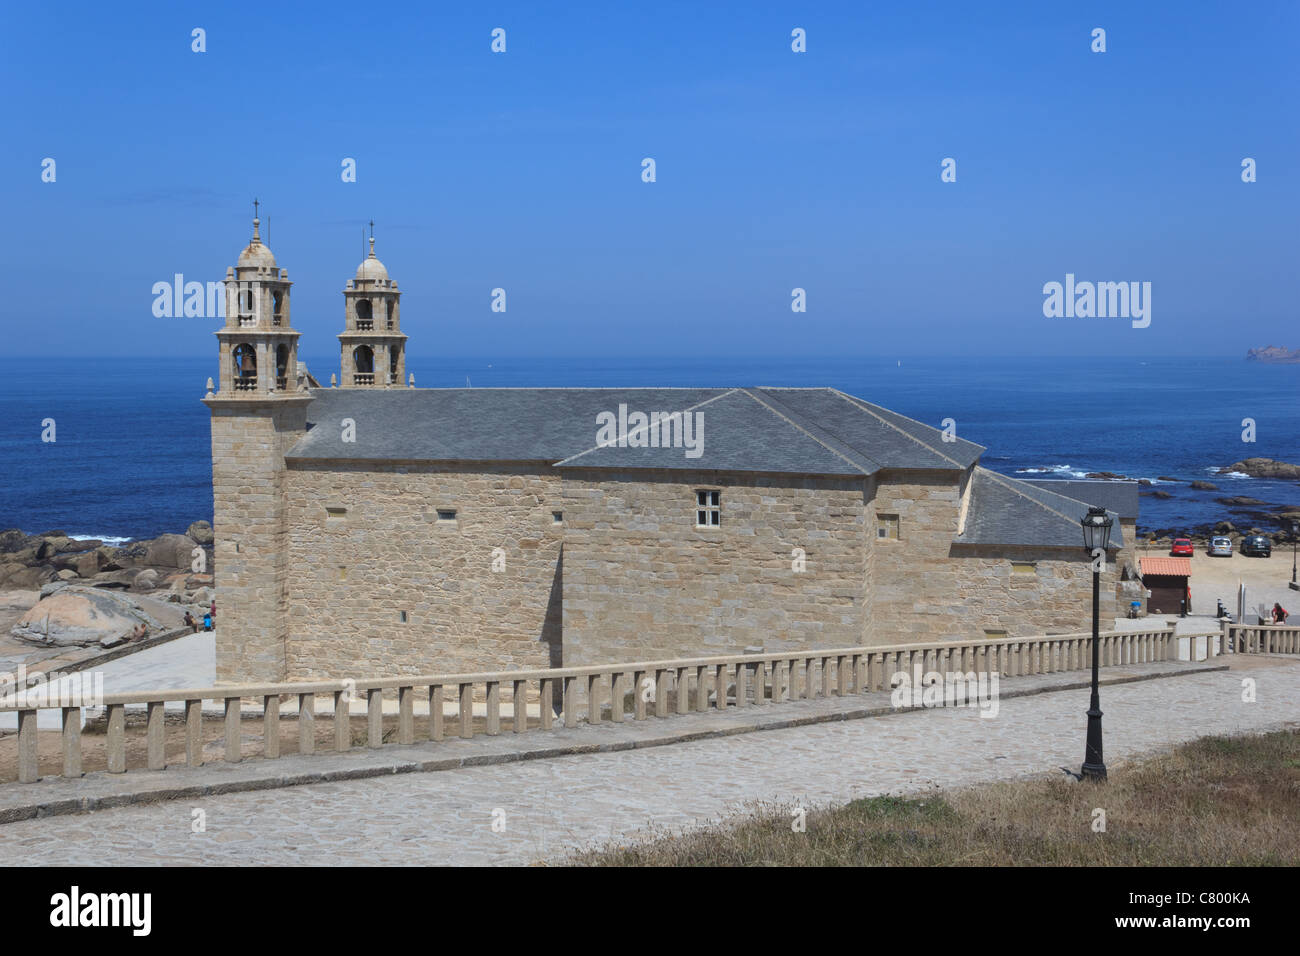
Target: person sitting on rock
(192, 624)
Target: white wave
(109, 539)
(1068, 470)
(1230, 474)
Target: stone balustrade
(1259, 639)
(613, 692)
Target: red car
(1182, 547)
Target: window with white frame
(708, 509)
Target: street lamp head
(1096, 529)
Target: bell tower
(372, 348)
(259, 350)
(259, 411)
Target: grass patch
(1217, 801)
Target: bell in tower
(372, 348)
(259, 351)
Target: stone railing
(1259, 639)
(610, 692)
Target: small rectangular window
(401, 616)
(708, 513)
(1024, 567)
(557, 517)
(336, 515)
(887, 526)
(995, 634)
(446, 514)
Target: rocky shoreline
(87, 587)
(1246, 515)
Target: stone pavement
(544, 808)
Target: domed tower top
(372, 348)
(256, 256)
(371, 269)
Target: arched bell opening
(365, 316)
(244, 359)
(363, 364)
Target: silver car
(1220, 547)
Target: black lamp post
(1096, 537)
(1295, 529)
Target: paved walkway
(546, 807)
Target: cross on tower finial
(372, 238)
(255, 205)
(256, 221)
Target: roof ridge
(788, 416)
(685, 411)
(1004, 481)
(854, 400)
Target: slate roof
(776, 430)
(1008, 511)
(1120, 497)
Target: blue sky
(775, 170)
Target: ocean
(132, 457)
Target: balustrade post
(374, 718)
(568, 701)
(72, 741)
(342, 721)
(306, 725)
(406, 715)
(593, 699)
(232, 730)
(546, 713)
(116, 741)
(467, 711)
(153, 734)
(638, 695)
(436, 701)
(28, 764)
(519, 703)
(617, 692)
(271, 726)
(493, 708)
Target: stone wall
(387, 552)
(250, 533)
(1055, 598)
(641, 581)
(915, 581)
(346, 568)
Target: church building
(374, 528)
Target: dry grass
(1219, 801)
